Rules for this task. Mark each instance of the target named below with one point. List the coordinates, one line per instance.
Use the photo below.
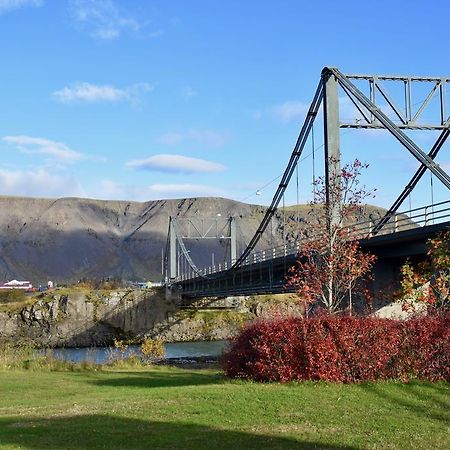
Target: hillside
(70, 238)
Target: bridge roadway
(268, 277)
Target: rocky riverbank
(84, 318)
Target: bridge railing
(254, 258)
(402, 221)
(406, 220)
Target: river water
(100, 355)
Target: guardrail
(406, 220)
(402, 221)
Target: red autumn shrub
(342, 349)
(426, 347)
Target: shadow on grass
(157, 380)
(416, 397)
(102, 431)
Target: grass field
(173, 408)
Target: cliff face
(81, 318)
(93, 318)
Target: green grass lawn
(172, 408)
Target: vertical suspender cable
(297, 200)
(313, 161)
(432, 195)
(313, 144)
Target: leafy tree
(331, 265)
(428, 282)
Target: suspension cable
(284, 222)
(186, 253)
(296, 153)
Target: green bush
(14, 357)
(24, 356)
(12, 296)
(153, 348)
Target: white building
(14, 284)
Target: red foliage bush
(342, 349)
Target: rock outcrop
(92, 318)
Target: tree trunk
(350, 301)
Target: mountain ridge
(70, 238)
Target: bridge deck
(269, 276)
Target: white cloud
(257, 115)
(45, 183)
(103, 18)
(183, 188)
(112, 190)
(157, 33)
(290, 110)
(92, 93)
(53, 149)
(206, 137)
(188, 92)
(38, 183)
(175, 164)
(445, 166)
(10, 5)
(171, 138)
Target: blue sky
(139, 100)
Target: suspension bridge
(392, 236)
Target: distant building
(14, 284)
(147, 284)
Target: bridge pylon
(332, 147)
(179, 260)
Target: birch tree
(331, 265)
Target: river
(100, 355)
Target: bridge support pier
(332, 147)
(172, 250)
(173, 294)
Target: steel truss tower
(182, 229)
